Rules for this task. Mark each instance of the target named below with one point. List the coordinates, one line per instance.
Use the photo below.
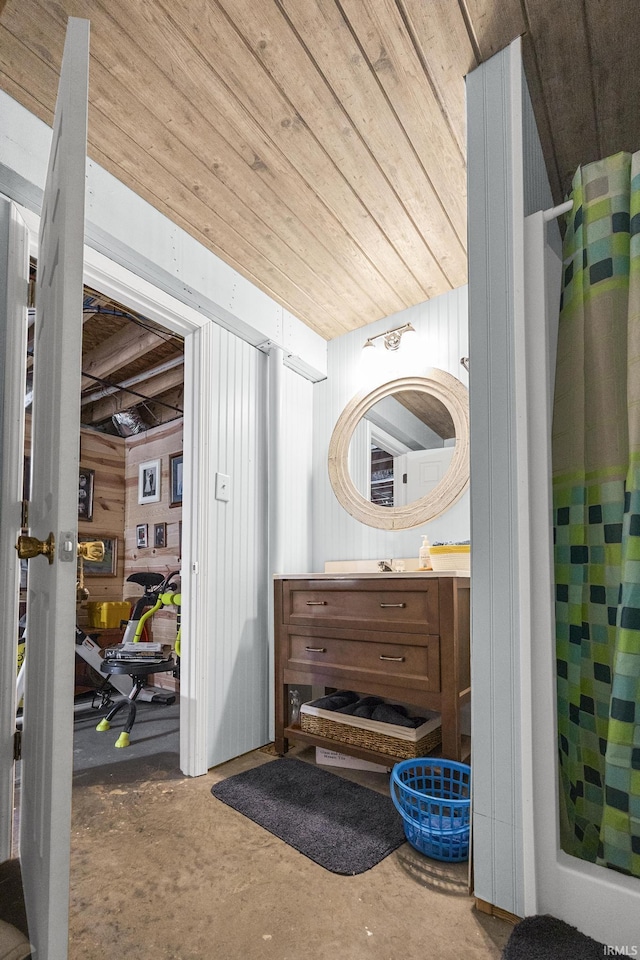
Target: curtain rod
(554, 212)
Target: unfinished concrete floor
(161, 870)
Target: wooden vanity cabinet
(404, 637)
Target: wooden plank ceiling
(318, 146)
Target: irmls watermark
(627, 951)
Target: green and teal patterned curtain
(596, 484)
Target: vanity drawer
(363, 604)
(377, 658)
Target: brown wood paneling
(106, 456)
(159, 443)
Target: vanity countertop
(407, 575)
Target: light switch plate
(223, 486)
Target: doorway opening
(132, 393)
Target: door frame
(132, 291)
(14, 251)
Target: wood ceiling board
(293, 139)
(409, 90)
(227, 168)
(429, 410)
(127, 168)
(13, 77)
(323, 29)
(286, 138)
(614, 44)
(494, 23)
(493, 26)
(440, 35)
(559, 34)
(155, 138)
(250, 163)
(170, 197)
(99, 327)
(311, 127)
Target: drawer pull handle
(316, 649)
(395, 659)
(393, 604)
(316, 603)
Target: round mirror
(399, 454)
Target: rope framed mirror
(441, 402)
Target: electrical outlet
(223, 486)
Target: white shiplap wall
(238, 586)
(237, 581)
(506, 176)
(495, 211)
(296, 472)
(442, 339)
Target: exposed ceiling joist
(123, 400)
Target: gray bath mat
(344, 827)
(547, 938)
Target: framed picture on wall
(160, 535)
(149, 482)
(175, 480)
(85, 494)
(142, 539)
(107, 567)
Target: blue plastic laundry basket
(433, 796)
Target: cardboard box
(331, 758)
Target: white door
(47, 743)
(425, 469)
(600, 902)
(14, 272)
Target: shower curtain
(596, 492)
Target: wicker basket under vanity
(389, 739)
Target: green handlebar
(164, 600)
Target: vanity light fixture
(390, 338)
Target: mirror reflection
(399, 453)
(401, 448)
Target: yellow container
(451, 556)
(106, 614)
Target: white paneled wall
(234, 585)
(495, 242)
(506, 176)
(442, 339)
(233, 596)
(296, 473)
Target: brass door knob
(92, 550)
(30, 547)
